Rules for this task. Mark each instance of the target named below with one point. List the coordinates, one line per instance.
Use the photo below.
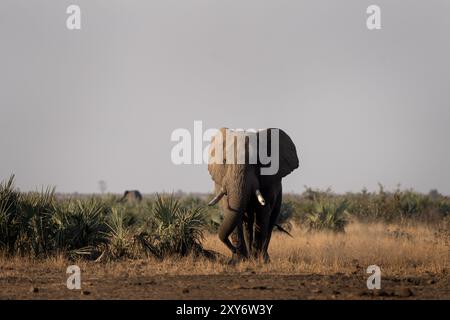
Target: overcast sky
(101, 103)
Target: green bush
(37, 224)
(328, 216)
(175, 229)
(9, 224)
(81, 226)
(119, 235)
(100, 227)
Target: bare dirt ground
(414, 262)
(50, 284)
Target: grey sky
(100, 103)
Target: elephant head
(131, 195)
(241, 164)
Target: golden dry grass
(397, 250)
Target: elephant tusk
(260, 197)
(217, 198)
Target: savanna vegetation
(100, 227)
(166, 246)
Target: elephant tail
(280, 228)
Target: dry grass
(397, 250)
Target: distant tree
(102, 186)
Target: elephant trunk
(241, 188)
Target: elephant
(131, 195)
(249, 198)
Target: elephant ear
(288, 159)
(217, 168)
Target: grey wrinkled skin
(250, 222)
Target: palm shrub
(80, 226)
(94, 229)
(328, 216)
(212, 215)
(444, 207)
(409, 203)
(174, 229)
(35, 223)
(9, 228)
(134, 213)
(372, 206)
(120, 242)
(26, 220)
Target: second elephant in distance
(250, 199)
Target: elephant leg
(230, 221)
(248, 230)
(262, 220)
(238, 241)
(273, 219)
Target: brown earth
(50, 283)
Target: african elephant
(249, 196)
(131, 195)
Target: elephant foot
(236, 258)
(232, 262)
(261, 257)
